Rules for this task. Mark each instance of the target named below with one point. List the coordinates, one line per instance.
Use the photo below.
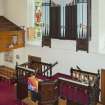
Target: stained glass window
(38, 18)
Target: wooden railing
(37, 68)
(91, 79)
(48, 70)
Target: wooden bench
(7, 72)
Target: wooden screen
(71, 22)
(11, 35)
(46, 41)
(54, 21)
(84, 25)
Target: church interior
(52, 52)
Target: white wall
(66, 58)
(61, 51)
(16, 11)
(1, 7)
(94, 43)
(102, 26)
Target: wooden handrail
(46, 69)
(51, 65)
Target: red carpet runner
(8, 94)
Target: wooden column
(103, 86)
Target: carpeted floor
(8, 94)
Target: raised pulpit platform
(11, 35)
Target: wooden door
(103, 86)
(48, 91)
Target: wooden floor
(99, 104)
(28, 101)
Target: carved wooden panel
(11, 36)
(46, 41)
(48, 91)
(82, 44)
